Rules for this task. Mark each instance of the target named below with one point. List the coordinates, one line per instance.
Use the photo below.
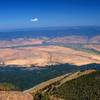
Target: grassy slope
(81, 47)
(86, 87)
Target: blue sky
(47, 13)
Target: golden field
(44, 55)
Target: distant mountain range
(50, 46)
(51, 32)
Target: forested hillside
(84, 88)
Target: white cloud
(34, 19)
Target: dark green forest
(24, 78)
(86, 87)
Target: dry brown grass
(15, 95)
(43, 55)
